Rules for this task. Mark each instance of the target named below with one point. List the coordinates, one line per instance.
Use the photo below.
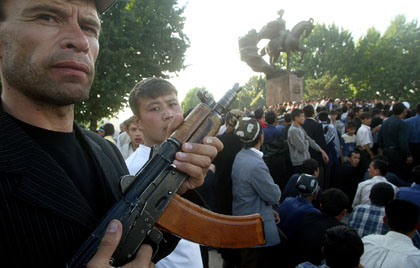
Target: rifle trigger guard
(155, 236)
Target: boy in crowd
(136, 138)
(348, 141)
(364, 141)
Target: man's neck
(42, 115)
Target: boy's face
(136, 136)
(155, 117)
(351, 131)
(300, 119)
(367, 121)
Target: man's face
(48, 49)
(354, 159)
(367, 121)
(372, 170)
(135, 134)
(300, 119)
(155, 117)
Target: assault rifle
(150, 202)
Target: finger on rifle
(107, 246)
(213, 141)
(143, 258)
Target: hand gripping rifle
(150, 201)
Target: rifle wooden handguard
(202, 226)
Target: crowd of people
(302, 166)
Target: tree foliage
(140, 38)
(249, 92)
(191, 99)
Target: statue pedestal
(287, 87)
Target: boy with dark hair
(342, 248)
(395, 248)
(364, 141)
(260, 116)
(299, 142)
(348, 141)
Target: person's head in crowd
(350, 116)
(310, 166)
(379, 105)
(319, 109)
(271, 118)
(415, 174)
(123, 127)
(333, 115)
(134, 132)
(298, 118)
(351, 128)
(402, 216)
(418, 108)
(101, 131)
(231, 119)
(323, 116)
(375, 112)
(342, 247)
(307, 186)
(154, 103)
(378, 167)
(356, 111)
(259, 114)
(381, 193)
(366, 118)
(344, 109)
(250, 132)
(399, 109)
(334, 202)
(109, 129)
(354, 157)
(288, 118)
(309, 111)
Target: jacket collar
(43, 183)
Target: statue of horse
(289, 43)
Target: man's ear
(138, 123)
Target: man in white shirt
(154, 103)
(377, 170)
(394, 249)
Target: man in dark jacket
(57, 181)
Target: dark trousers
(259, 257)
(397, 163)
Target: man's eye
(89, 30)
(155, 109)
(47, 18)
(173, 104)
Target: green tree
(140, 38)
(250, 93)
(191, 99)
(327, 85)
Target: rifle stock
(202, 226)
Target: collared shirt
(137, 159)
(364, 136)
(258, 152)
(363, 190)
(389, 251)
(367, 219)
(410, 193)
(413, 129)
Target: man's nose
(168, 114)
(75, 38)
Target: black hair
(109, 129)
(342, 247)
(415, 174)
(355, 151)
(308, 110)
(258, 114)
(309, 166)
(402, 215)
(379, 106)
(270, 117)
(380, 164)
(398, 108)
(418, 108)
(351, 124)
(323, 116)
(381, 193)
(365, 115)
(149, 88)
(334, 201)
(296, 113)
(288, 118)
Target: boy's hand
(194, 159)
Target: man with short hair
(393, 139)
(271, 132)
(395, 248)
(342, 248)
(349, 174)
(366, 219)
(377, 170)
(57, 180)
(299, 142)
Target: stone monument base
(287, 87)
